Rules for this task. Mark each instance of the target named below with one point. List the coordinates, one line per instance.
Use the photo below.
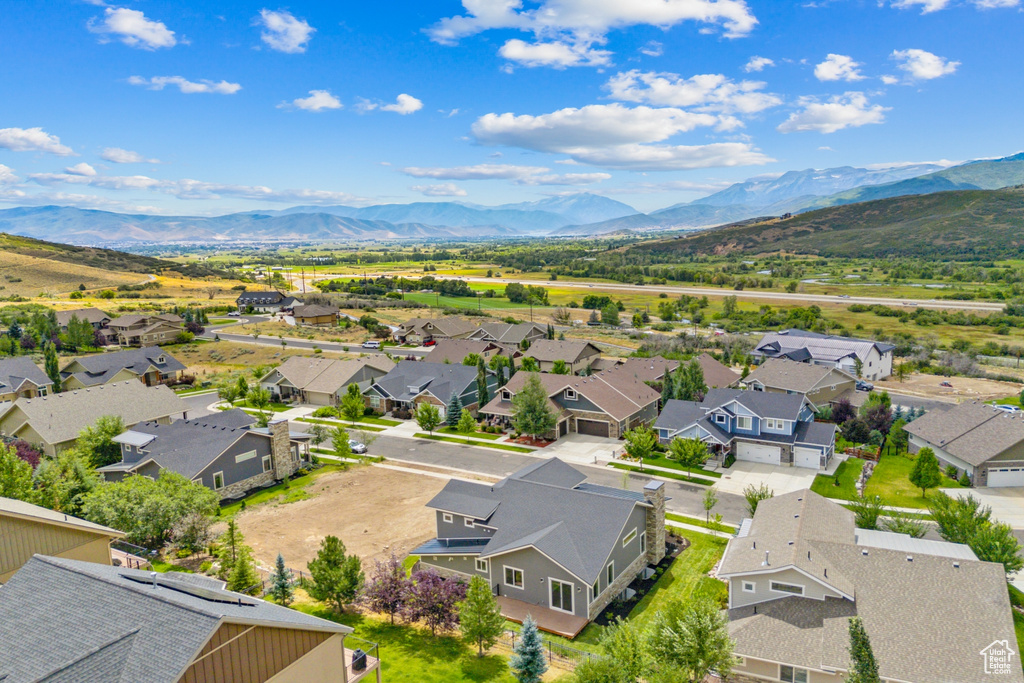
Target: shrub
(965, 479)
(325, 411)
(729, 460)
(952, 472)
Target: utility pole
(302, 274)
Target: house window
(749, 587)
(375, 401)
(629, 537)
(218, 481)
(595, 590)
(720, 419)
(446, 518)
(643, 542)
(570, 394)
(743, 422)
(483, 566)
(513, 577)
(268, 463)
(611, 572)
(506, 395)
(468, 521)
(561, 595)
(792, 589)
(791, 674)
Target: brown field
(38, 275)
(213, 359)
(963, 389)
(373, 510)
(354, 334)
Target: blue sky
(169, 107)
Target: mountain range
(577, 214)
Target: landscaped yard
(274, 407)
(661, 460)
(891, 482)
(846, 474)
(295, 490)
(475, 434)
(668, 475)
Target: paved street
(220, 331)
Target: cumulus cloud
(7, 176)
(889, 79)
(838, 68)
(705, 92)
(758, 64)
(652, 48)
(318, 100)
(849, 110)
(186, 86)
(556, 54)
(478, 172)
(284, 32)
(32, 140)
(82, 169)
(117, 155)
(404, 104)
(921, 65)
(585, 23)
(132, 28)
(442, 190)
(564, 179)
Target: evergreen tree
(480, 617)
(531, 413)
(926, 473)
(551, 331)
(281, 583)
(863, 667)
(335, 578)
(14, 330)
(51, 365)
(481, 383)
(243, 577)
(668, 389)
(231, 542)
(454, 411)
(528, 663)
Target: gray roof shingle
(16, 371)
(972, 431)
(102, 367)
(441, 380)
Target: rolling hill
(963, 223)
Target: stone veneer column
(280, 448)
(654, 492)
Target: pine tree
(230, 542)
(243, 576)
(863, 667)
(335, 577)
(281, 583)
(451, 417)
(480, 617)
(668, 389)
(527, 662)
(481, 383)
(51, 365)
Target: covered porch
(552, 621)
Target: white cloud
(318, 100)
(889, 79)
(564, 179)
(652, 48)
(442, 190)
(706, 92)
(673, 157)
(838, 68)
(849, 110)
(922, 65)
(585, 23)
(32, 140)
(132, 28)
(82, 169)
(927, 6)
(186, 86)
(7, 176)
(478, 172)
(555, 54)
(117, 155)
(404, 104)
(758, 64)
(283, 32)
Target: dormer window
(161, 359)
(720, 419)
(506, 395)
(570, 394)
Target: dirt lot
(212, 361)
(374, 511)
(963, 389)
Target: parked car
(356, 447)
(864, 386)
(945, 384)
(234, 314)
(844, 296)
(430, 343)
(1007, 409)
(371, 344)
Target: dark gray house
(21, 378)
(149, 364)
(224, 452)
(775, 429)
(549, 544)
(413, 382)
(270, 301)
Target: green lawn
(278, 493)
(337, 423)
(470, 442)
(274, 407)
(847, 474)
(660, 460)
(1008, 401)
(668, 475)
(700, 521)
(687, 577)
(891, 482)
(477, 434)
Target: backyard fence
(558, 654)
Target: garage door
(755, 452)
(1005, 476)
(592, 427)
(806, 457)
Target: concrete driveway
(582, 448)
(779, 479)
(1007, 503)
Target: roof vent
(956, 565)
(910, 558)
(152, 575)
(864, 551)
(755, 545)
(766, 563)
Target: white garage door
(806, 457)
(1005, 476)
(755, 452)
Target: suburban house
(27, 530)
(845, 353)
(413, 382)
(606, 404)
(549, 544)
(322, 381)
(775, 429)
(145, 330)
(513, 334)
(150, 364)
(801, 568)
(422, 330)
(117, 624)
(455, 350)
(578, 354)
(822, 384)
(21, 378)
(316, 315)
(223, 452)
(652, 370)
(976, 438)
(53, 422)
(264, 302)
(94, 316)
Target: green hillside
(968, 224)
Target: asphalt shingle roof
(972, 431)
(508, 333)
(90, 315)
(439, 379)
(455, 350)
(102, 367)
(820, 346)
(324, 375)
(16, 371)
(550, 350)
(781, 373)
(620, 396)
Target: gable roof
(14, 372)
(90, 315)
(18, 508)
(716, 375)
(508, 333)
(441, 380)
(79, 621)
(260, 297)
(455, 350)
(761, 403)
(103, 367)
(790, 375)
(449, 327)
(60, 417)
(972, 431)
(314, 311)
(807, 344)
(326, 375)
(618, 396)
(569, 350)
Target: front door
(561, 596)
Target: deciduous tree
(388, 586)
(690, 640)
(754, 495)
(926, 473)
(352, 404)
(480, 617)
(640, 442)
(863, 667)
(96, 442)
(427, 416)
(531, 413)
(689, 453)
(434, 600)
(15, 475)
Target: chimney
(285, 462)
(654, 492)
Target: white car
(1007, 409)
(357, 447)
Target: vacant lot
(374, 511)
(213, 360)
(963, 389)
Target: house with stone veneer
(323, 381)
(21, 378)
(151, 365)
(577, 354)
(549, 543)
